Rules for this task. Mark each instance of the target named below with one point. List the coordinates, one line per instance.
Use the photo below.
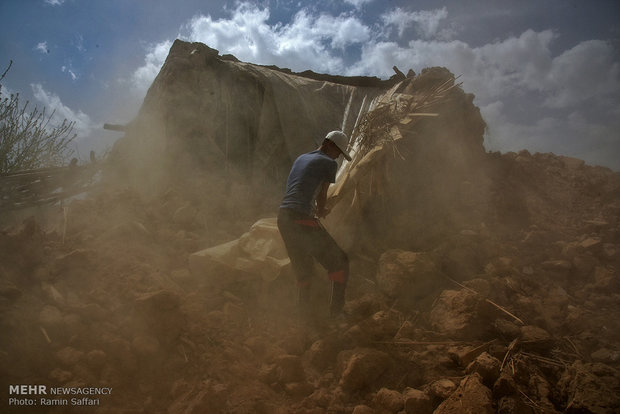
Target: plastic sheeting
(258, 252)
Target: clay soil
(99, 294)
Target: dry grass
(376, 125)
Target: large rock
(363, 368)
(407, 276)
(382, 325)
(487, 366)
(441, 389)
(535, 337)
(460, 314)
(389, 400)
(471, 397)
(586, 392)
(363, 409)
(323, 352)
(417, 402)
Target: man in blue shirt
(302, 206)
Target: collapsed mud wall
(213, 115)
(206, 112)
(230, 130)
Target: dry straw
(375, 127)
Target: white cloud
(303, 43)
(425, 22)
(358, 3)
(307, 42)
(586, 71)
(5, 92)
(342, 30)
(517, 70)
(42, 47)
(54, 2)
(83, 124)
(69, 71)
(153, 61)
(78, 42)
(574, 135)
(522, 72)
(513, 66)
(377, 58)
(246, 34)
(519, 60)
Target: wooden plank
(43, 187)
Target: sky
(545, 73)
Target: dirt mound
(120, 309)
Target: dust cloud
(478, 280)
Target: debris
(487, 367)
(417, 402)
(492, 303)
(470, 397)
(456, 313)
(390, 400)
(363, 368)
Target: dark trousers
(306, 240)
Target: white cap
(341, 140)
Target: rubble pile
(480, 282)
(121, 308)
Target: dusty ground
(493, 319)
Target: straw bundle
(375, 127)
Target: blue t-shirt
(309, 171)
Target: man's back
(308, 172)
